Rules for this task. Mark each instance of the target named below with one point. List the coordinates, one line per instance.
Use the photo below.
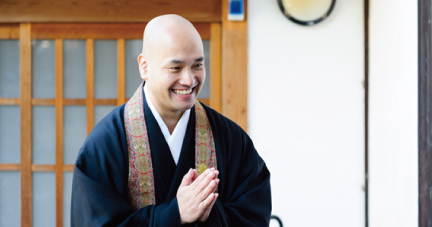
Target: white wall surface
(306, 112)
(393, 145)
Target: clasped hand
(196, 195)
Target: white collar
(174, 140)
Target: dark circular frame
(277, 219)
(306, 23)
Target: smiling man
(164, 159)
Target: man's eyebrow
(199, 59)
(177, 61)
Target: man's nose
(187, 78)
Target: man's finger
(207, 190)
(204, 204)
(207, 211)
(212, 202)
(200, 179)
(205, 181)
(194, 175)
(187, 179)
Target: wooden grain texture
(90, 84)
(43, 102)
(59, 131)
(9, 31)
(26, 129)
(10, 167)
(234, 67)
(12, 11)
(216, 67)
(9, 101)
(120, 71)
(99, 30)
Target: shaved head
(172, 65)
(166, 29)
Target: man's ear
(143, 64)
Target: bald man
(164, 159)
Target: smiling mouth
(182, 92)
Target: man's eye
(198, 65)
(176, 68)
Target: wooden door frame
(26, 21)
(25, 33)
(233, 62)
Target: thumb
(187, 179)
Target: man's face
(174, 74)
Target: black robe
(100, 180)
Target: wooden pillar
(26, 124)
(90, 84)
(234, 67)
(59, 131)
(216, 66)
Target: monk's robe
(100, 182)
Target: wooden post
(234, 67)
(216, 66)
(26, 124)
(59, 131)
(120, 71)
(90, 84)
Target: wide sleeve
(244, 188)
(100, 182)
(94, 204)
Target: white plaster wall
(393, 145)
(306, 112)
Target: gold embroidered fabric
(141, 181)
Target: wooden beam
(74, 102)
(215, 67)
(99, 31)
(90, 85)
(10, 167)
(43, 102)
(26, 129)
(68, 167)
(120, 71)
(43, 168)
(9, 101)
(9, 31)
(106, 10)
(59, 131)
(105, 102)
(234, 67)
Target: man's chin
(185, 106)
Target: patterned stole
(141, 181)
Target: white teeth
(182, 92)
